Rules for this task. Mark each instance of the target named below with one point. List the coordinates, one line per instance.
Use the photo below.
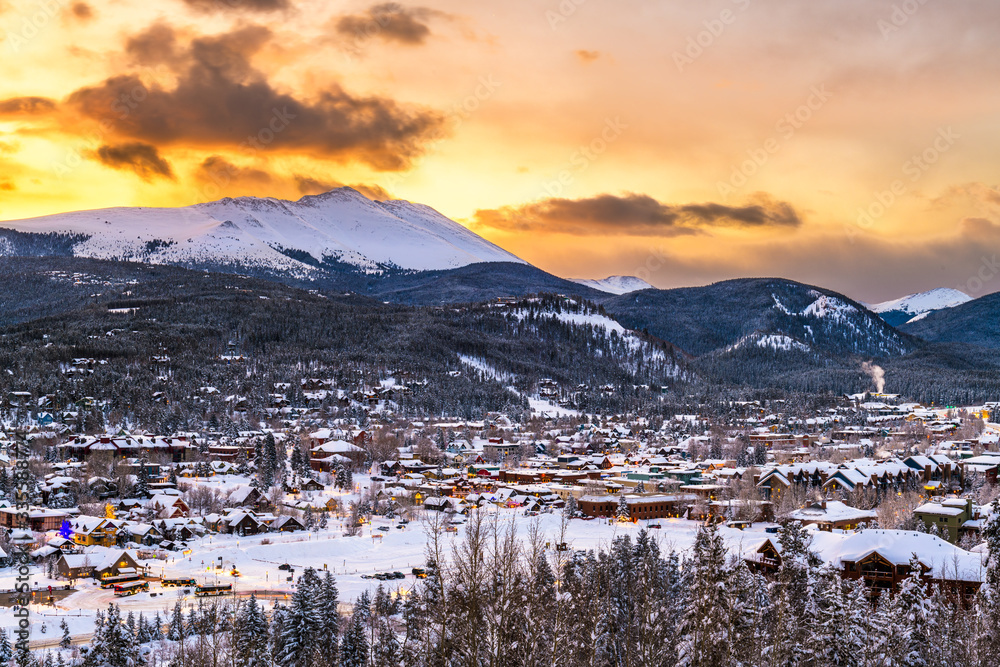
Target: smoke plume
(877, 375)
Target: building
(639, 507)
(833, 515)
(948, 516)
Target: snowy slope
(615, 284)
(341, 225)
(914, 306)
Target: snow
(615, 284)
(923, 303)
(828, 307)
(341, 224)
(773, 341)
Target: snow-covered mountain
(615, 284)
(338, 227)
(916, 306)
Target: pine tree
(142, 479)
(354, 646)
(156, 628)
(6, 650)
(912, 609)
(329, 617)
(302, 622)
(706, 631)
(622, 513)
(177, 630)
(387, 651)
(571, 508)
(67, 639)
(249, 626)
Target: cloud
(18, 106)
(221, 101)
(223, 173)
(586, 56)
(143, 159)
(388, 21)
(210, 6)
(308, 185)
(82, 11)
(980, 229)
(7, 185)
(634, 214)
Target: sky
(848, 144)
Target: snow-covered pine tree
(622, 513)
(301, 623)
(912, 608)
(6, 650)
(354, 645)
(571, 507)
(387, 651)
(249, 626)
(177, 630)
(142, 479)
(329, 617)
(67, 640)
(792, 594)
(706, 632)
(989, 595)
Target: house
(640, 507)
(246, 496)
(94, 531)
(948, 516)
(286, 523)
(116, 563)
(168, 506)
(881, 558)
(327, 456)
(40, 519)
(112, 563)
(143, 533)
(833, 514)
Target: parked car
(284, 566)
(398, 575)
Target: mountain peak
(341, 225)
(919, 305)
(615, 284)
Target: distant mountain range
(302, 239)
(615, 284)
(916, 306)
(761, 332)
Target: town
(882, 489)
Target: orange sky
(683, 142)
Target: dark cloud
(143, 159)
(980, 229)
(220, 100)
(308, 185)
(16, 106)
(156, 45)
(388, 21)
(634, 214)
(210, 6)
(82, 11)
(223, 173)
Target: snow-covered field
(257, 559)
